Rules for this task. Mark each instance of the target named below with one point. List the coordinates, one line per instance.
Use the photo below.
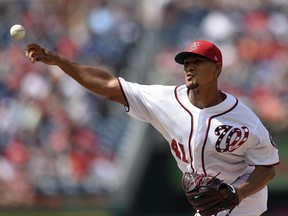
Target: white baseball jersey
(227, 138)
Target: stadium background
(65, 151)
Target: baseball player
(210, 132)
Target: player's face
(200, 71)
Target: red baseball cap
(202, 48)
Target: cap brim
(180, 57)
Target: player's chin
(192, 85)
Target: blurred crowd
(58, 138)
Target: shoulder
(241, 105)
(240, 112)
(146, 89)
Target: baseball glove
(208, 194)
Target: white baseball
(17, 32)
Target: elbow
(272, 174)
(268, 172)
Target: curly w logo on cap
(203, 48)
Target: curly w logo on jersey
(230, 138)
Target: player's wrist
(241, 194)
(51, 57)
(243, 191)
(229, 192)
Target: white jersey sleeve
(137, 103)
(145, 102)
(262, 145)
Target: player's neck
(203, 99)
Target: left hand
(208, 194)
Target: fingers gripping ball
(208, 194)
(17, 32)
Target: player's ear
(218, 69)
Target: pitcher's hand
(37, 53)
